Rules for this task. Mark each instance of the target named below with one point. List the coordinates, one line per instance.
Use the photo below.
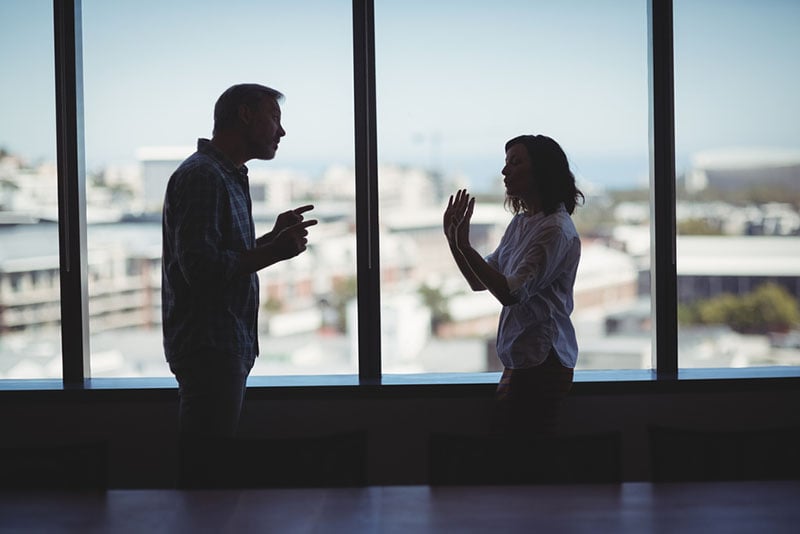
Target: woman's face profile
(518, 173)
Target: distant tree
(754, 194)
(776, 309)
(768, 308)
(96, 178)
(436, 303)
(595, 219)
(763, 194)
(698, 227)
(687, 314)
(272, 304)
(630, 195)
(5, 183)
(121, 192)
(723, 309)
(343, 292)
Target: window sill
(431, 384)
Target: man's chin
(266, 155)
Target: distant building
(710, 265)
(29, 294)
(158, 163)
(124, 292)
(732, 169)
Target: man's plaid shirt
(207, 223)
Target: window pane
(738, 163)
(455, 81)
(30, 294)
(153, 71)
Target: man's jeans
(211, 386)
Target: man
(210, 288)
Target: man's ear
(245, 113)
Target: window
(738, 170)
(153, 71)
(30, 297)
(454, 83)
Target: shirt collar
(204, 146)
(540, 214)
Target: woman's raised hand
(457, 217)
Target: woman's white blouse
(539, 256)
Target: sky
(455, 78)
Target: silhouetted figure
(532, 273)
(210, 289)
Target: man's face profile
(264, 129)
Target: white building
(157, 164)
(742, 167)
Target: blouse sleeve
(493, 258)
(549, 251)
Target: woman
(532, 273)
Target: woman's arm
(455, 210)
(475, 269)
(488, 276)
(466, 271)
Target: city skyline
(444, 100)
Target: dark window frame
(73, 241)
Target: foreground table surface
(768, 507)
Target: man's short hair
(226, 110)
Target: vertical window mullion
(662, 189)
(366, 171)
(71, 191)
